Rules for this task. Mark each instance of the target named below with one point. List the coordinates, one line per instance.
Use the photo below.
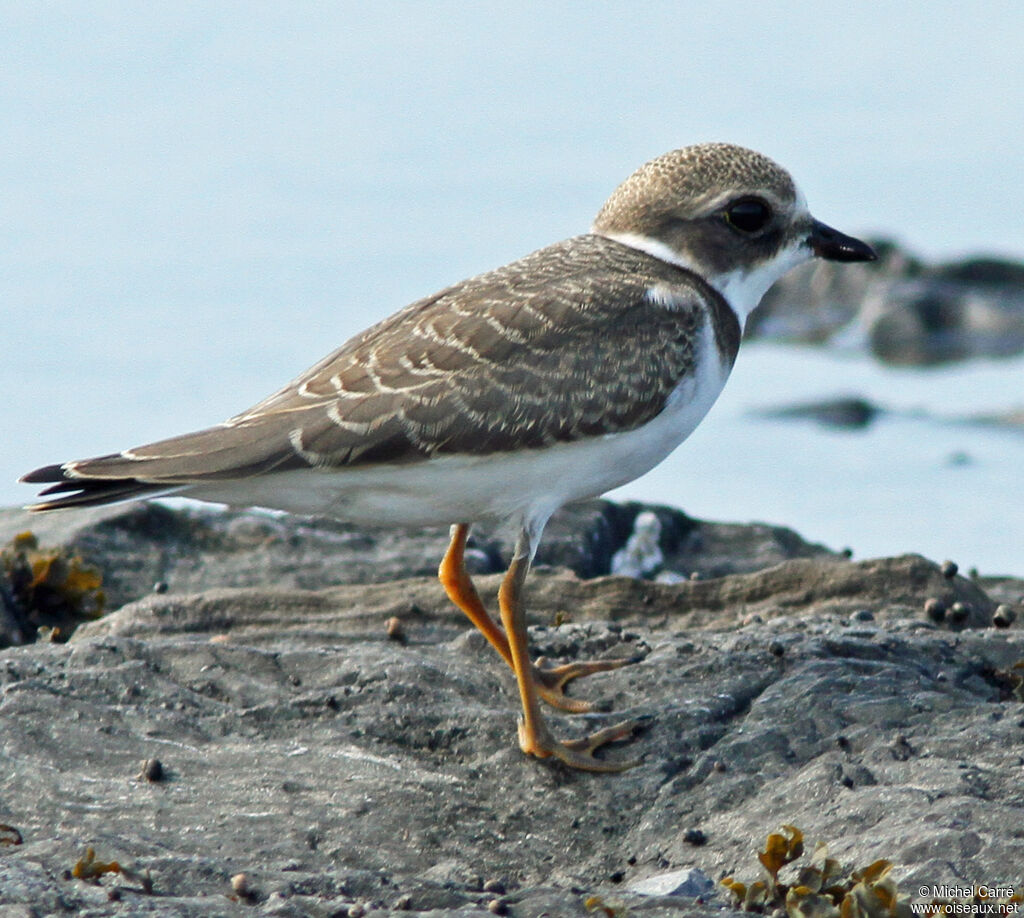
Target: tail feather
(89, 492)
(166, 467)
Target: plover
(552, 379)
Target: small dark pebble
(114, 895)
(152, 770)
(863, 615)
(496, 907)
(949, 569)
(617, 876)
(776, 648)
(403, 903)
(9, 835)
(720, 765)
(695, 837)
(959, 612)
(1004, 616)
(160, 586)
(935, 609)
(495, 886)
(901, 749)
(842, 742)
(846, 781)
(847, 553)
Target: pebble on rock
(394, 629)
(949, 569)
(1004, 616)
(240, 885)
(959, 612)
(935, 609)
(152, 770)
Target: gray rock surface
(341, 770)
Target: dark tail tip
(45, 474)
(84, 492)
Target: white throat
(743, 288)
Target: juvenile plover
(552, 379)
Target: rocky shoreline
(905, 311)
(285, 717)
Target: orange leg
(534, 736)
(457, 584)
(550, 682)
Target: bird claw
(579, 753)
(550, 681)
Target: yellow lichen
(821, 888)
(88, 868)
(47, 588)
(825, 889)
(610, 910)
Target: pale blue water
(914, 481)
(199, 200)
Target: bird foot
(550, 681)
(579, 753)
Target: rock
(905, 311)
(193, 548)
(851, 413)
(339, 770)
(641, 555)
(690, 882)
(856, 413)
(1012, 420)
(814, 302)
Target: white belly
(527, 485)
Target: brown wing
(561, 345)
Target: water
(915, 481)
(197, 201)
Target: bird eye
(748, 215)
